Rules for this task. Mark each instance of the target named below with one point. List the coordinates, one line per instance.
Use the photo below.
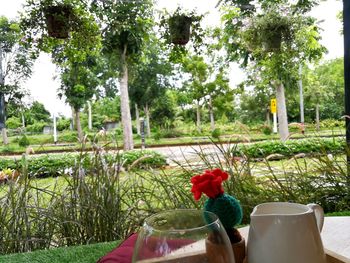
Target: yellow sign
(273, 106)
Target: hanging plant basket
(180, 29)
(57, 20)
(274, 42)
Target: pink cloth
(123, 253)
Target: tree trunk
(78, 125)
(89, 116)
(146, 109)
(268, 118)
(5, 140)
(317, 117)
(23, 120)
(137, 113)
(281, 111)
(4, 136)
(124, 104)
(198, 118)
(73, 119)
(211, 114)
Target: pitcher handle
(319, 214)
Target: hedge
(55, 165)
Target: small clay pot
(217, 253)
(239, 251)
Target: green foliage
(36, 127)
(13, 123)
(142, 159)
(69, 136)
(63, 124)
(291, 147)
(332, 123)
(23, 141)
(266, 130)
(216, 133)
(55, 165)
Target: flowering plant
(226, 207)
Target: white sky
(44, 89)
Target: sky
(43, 88)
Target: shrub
(13, 123)
(172, 133)
(216, 133)
(292, 147)
(266, 130)
(63, 124)
(36, 127)
(332, 123)
(69, 136)
(55, 165)
(23, 141)
(142, 159)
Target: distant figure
(30, 150)
(102, 133)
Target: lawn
(76, 254)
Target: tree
(324, 89)
(15, 66)
(198, 72)
(150, 79)
(278, 37)
(78, 84)
(126, 26)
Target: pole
(54, 129)
(274, 122)
(301, 100)
(90, 115)
(346, 18)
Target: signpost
(273, 108)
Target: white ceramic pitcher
(286, 233)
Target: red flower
(210, 183)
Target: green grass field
(75, 254)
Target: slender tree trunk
(78, 125)
(4, 136)
(211, 114)
(146, 109)
(5, 139)
(281, 111)
(198, 117)
(23, 120)
(73, 119)
(268, 119)
(124, 104)
(138, 128)
(317, 117)
(89, 116)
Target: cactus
(226, 207)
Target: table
(335, 237)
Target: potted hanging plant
(180, 29)
(268, 31)
(181, 26)
(226, 207)
(57, 18)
